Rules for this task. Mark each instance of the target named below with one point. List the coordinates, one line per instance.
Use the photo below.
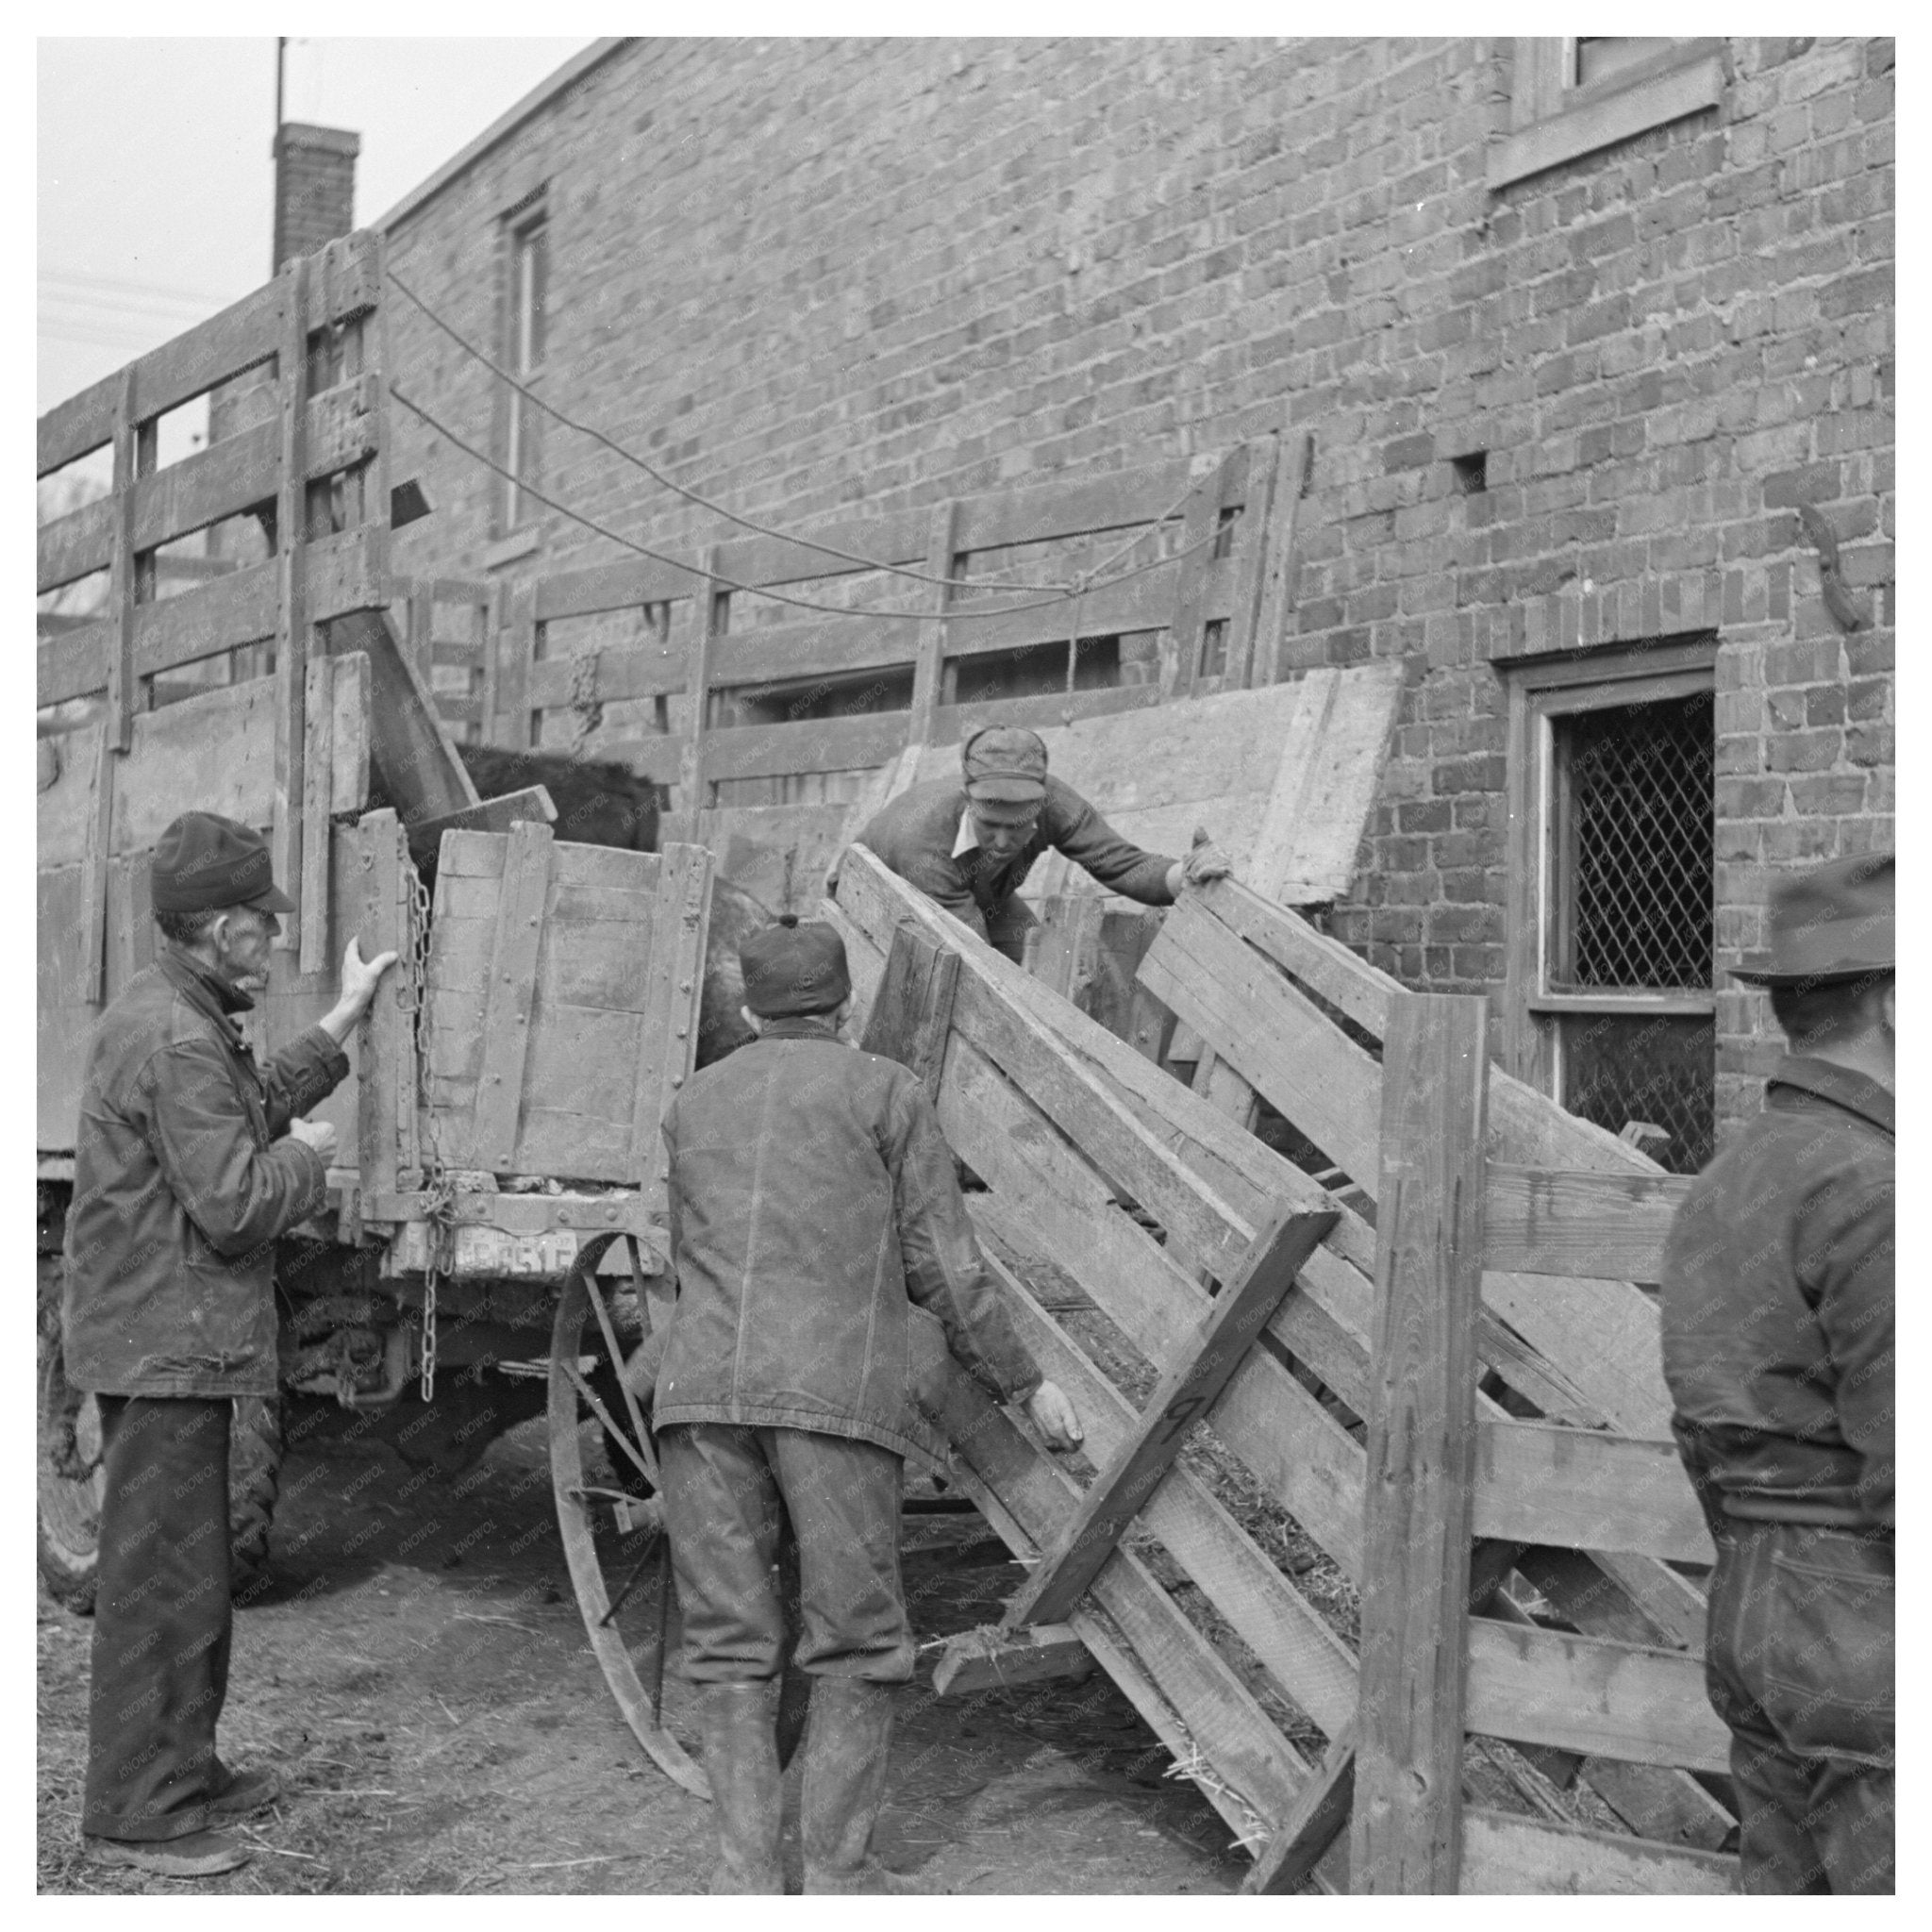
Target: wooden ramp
(1266, 1307)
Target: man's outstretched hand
(1053, 1416)
(1205, 862)
(361, 977)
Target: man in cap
(823, 1254)
(969, 846)
(190, 1160)
(1777, 1344)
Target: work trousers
(1800, 1665)
(728, 1490)
(162, 1618)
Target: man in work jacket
(190, 1160)
(969, 847)
(817, 1231)
(1778, 1343)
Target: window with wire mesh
(1635, 855)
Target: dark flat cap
(792, 969)
(1005, 763)
(203, 862)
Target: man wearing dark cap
(969, 846)
(189, 1162)
(823, 1253)
(1777, 1342)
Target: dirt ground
(416, 1668)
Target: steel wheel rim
(580, 1541)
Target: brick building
(1593, 339)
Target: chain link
(412, 995)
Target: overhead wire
(1068, 588)
(951, 615)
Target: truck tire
(68, 1452)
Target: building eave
(503, 127)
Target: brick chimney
(315, 187)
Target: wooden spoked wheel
(619, 1562)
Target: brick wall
(801, 274)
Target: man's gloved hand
(1205, 862)
(1053, 1416)
(316, 1134)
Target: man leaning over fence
(1777, 1338)
(189, 1161)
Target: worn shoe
(846, 1742)
(247, 1792)
(741, 1762)
(196, 1855)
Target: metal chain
(440, 1191)
(586, 709)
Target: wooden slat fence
(1568, 1483)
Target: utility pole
(274, 266)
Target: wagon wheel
(611, 1545)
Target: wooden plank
(680, 926)
(1591, 1693)
(531, 804)
(1184, 1396)
(1609, 1226)
(817, 648)
(122, 591)
(410, 748)
(912, 1012)
(90, 988)
(625, 674)
(385, 1055)
(625, 585)
(981, 628)
(941, 546)
(1543, 1483)
(1504, 1854)
(1271, 652)
(349, 734)
(1316, 1819)
(515, 658)
(509, 997)
(951, 724)
(1180, 668)
(1293, 797)
(1308, 1663)
(981, 1660)
(1066, 941)
(871, 539)
(1255, 1019)
(1038, 512)
(318, 802)
(1251, 559)
(1236, 1739)
(1416, 1527)
(812, 744)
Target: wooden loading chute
(1068, 1126)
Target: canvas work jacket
(916, 833)
(822, 1248)
(1777, 1307)
(182, 1181)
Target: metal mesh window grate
(1656, 1068)
(1637, 867)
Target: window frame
(1553, 120)
(1541, 692)
(530, 217)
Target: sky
(154, 181)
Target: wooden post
(690, 776)
(516, 648)
(1278, 596)
(1182, 662)
(926, 671)
(1418, 1502)
(1251, 562)
(385, 1046)
(912, 1011)
(667, 1049)
(510, 997)
(291, 622)
(318, 802)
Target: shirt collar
(968, 837)
(1856, 1093)
(799, 1026)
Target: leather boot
(846, 1741)
(741, 1762)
